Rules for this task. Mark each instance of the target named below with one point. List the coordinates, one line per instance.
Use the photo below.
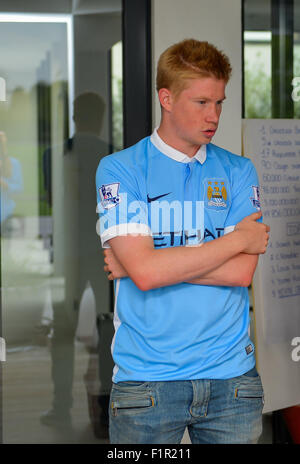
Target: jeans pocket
(131, 398)
(251, 390)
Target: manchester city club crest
(216, 194)
(109, 195)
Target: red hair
(190, 59)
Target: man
(182, 353)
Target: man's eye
(202, 102)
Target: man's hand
(255, 234)
(113, 266)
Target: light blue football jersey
(182, 331)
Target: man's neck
(173, 141)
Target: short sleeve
(245, 196)
(121, 209)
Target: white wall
(218, 22)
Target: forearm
(236, 272)
(153, 268)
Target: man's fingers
(107, 252)
(253, 217)
(256, 215)
(109, 273)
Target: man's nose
(213, 114)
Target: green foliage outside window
(258, 87)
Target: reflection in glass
(117, 97)
(56, 310)
(11, 184)
(257, 56)
(257, 59)
(271, 58)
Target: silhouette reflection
(84, 301)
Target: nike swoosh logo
(149, 199)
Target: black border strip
(137, 60)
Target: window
(271, 35)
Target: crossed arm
(227, 261)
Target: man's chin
(205, 141)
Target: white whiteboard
(274, 147)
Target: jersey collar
(176, 154)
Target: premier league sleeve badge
(255, 200)
(109, 195)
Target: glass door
(61, 63)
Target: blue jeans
(214, 411)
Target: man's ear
(165, 98)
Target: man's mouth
(210, 132)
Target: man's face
(195, 112)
